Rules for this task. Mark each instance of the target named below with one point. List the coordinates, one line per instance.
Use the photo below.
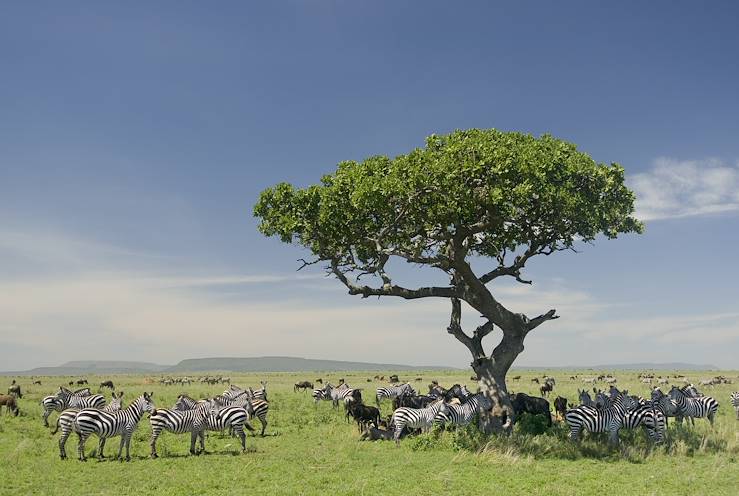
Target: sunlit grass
(311, 449)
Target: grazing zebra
(705, 406)
(65, 422)
(193, 421)
(391, 392)
(735, 402)
(462, 414)
(122, 423)
(606, 420)
(416, 418)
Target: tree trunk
(492, 384)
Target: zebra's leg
(201, 435)
(81, 447)
(710, 417)
(154, 436)
(239, 430)
(62, 443)
(129, 435)
(120, 446)
(397, 433)
(101, 448)
(263, 420)
(193, 438)
(46, 417)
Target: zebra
(462, 414)
(180, 421)
(668, 406)
(705, 406)
(585, 399)
(122, 423)
(255, 407)
(606, 420)
(649, 416)
(391, 392)
(336, 394)
(735, 402)
(65, 399)
(416, 418)
(234, 390)
(241, 409)
(320, 394)
(65, 422)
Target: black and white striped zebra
(668, 406)
(65, 421)
(735, 402)
(650, 417)
(65, 399)
(338, 394)
(416, 418)
(192, 420)
(230, 419)
(463, 413)
(320, 394)
(606, 420)
(122, 423)
(392, 392)
(256, 407)
(704, 406)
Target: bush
(531, 424)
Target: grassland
(311, 450)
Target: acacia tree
(499, 198)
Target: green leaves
(498, 189)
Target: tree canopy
(503, 195)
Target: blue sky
(135, 138)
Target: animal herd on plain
(85, 413)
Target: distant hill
(225, 364)
(630, 366)
(285, 364)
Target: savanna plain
(310, 449)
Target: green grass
(312, 450)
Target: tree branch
(388, 289)
(537, 321)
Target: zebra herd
(412, 412)
(618, 410)
(609, 413)
(85, 414)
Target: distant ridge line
(213, 364)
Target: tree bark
(491, 377)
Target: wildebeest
(516, 377)
(107, 384)
(394, 379)
(9, 401)
(530, 404)
(37, 382)
(15, 390)
(362, 414)
(546, 388)
(535, 379)
(81, 382)
(303, 385)
(319, 380)
(560, 407)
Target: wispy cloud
(682, 188)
